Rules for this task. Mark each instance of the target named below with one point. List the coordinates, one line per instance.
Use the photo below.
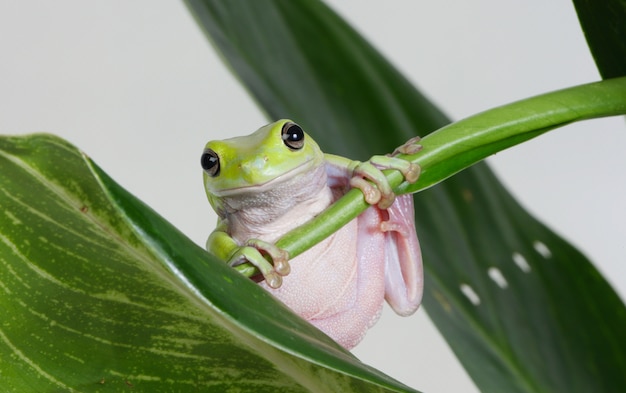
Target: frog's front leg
(222, 245)
(362, 174)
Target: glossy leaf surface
(602, 22)
(523, 310)
(93, 297)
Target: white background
(137, 86)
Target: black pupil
(293, 134)
(208, 161)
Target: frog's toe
(281, 263)
(273, 280)
(412, 173)
(371, 194)
(411, 146)
(386, 201)
(269, 273)
(409, 170)
(280, 258)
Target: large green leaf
(99, 293)
(603, 22)
(522, 309)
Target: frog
(264, 184)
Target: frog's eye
(210, 163)
(293, 136)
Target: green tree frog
(267, 183)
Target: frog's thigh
(349, 325)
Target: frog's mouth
(307, 175)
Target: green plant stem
(466, 142)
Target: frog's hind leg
(403, 259)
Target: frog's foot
(409, 147)
(381, 194)
(254, 252)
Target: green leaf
(99, 293)
(522, 309)
(603, 22)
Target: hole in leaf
(496, 275)
(520, 261)
(470, 294)
(542, 249)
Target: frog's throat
(276, 197)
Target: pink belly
(339, 285)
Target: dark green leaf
(604, 25)
(522, 309)
(93, 296)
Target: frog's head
(249, 164)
